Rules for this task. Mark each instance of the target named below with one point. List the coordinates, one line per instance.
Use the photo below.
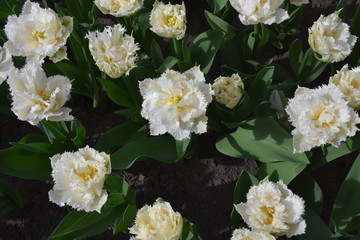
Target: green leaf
(144, 149)
(243, 184)
(156, 54)
(346, 205)
(204, 48)
(283, 170)
(116, 184)
(55, 131)
(117, 92)
(262, 139)
(219, 24)
(123, 223)
(189, 231)
(80, 224)
(305, 186)
(295, 55)
(315, 227)
(77, 133)
(6, 205)
(168, 63)
(15, 161)
(217, 5)
(117, 136)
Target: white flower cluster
(273, 208)
(36, 33)
(79, 178)
(113, 51)
(36, 97)
(168, 20)
(228, 90)
(349, 83)
(331, 38)
(157, 222)
(119, 8)
(320, 116)
(176, 103)
(260, 11)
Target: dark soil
(200, 188)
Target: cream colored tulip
(36, 33)
(228, 90)
(79, 179)
(168, 20)
(36, 97)
(119, 8)
(113, 51)
(176, 103)
(331, 38)
(157, 222)
(349, 84)
(260, 11)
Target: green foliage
(204, 48)
(346, 206)
(189, 231)
(10, 198)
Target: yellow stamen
(90, 173)
(171, 21)
(269, 212)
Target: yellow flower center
(90, 173)
(171, 21)
(318, 114)
(175, 99)
(269, 212)
(37, 34)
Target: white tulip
(228, 90)
(273, 208)
(246, 234)
(5, 64)
(260, 11)
(349, 83)
(176, 103)
(36, 97)
(36, 33)
(168, 20)
(157, 222)
(119, 8)
(113, 51)
(320, 116)
(79, 178)
(331, 38)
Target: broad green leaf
(346, 205)
(161, 148)
(117, 136)
(204, 48)
(219, 24)
(243, 184)
(315, 227)
(156, 54)
(80, 224)
(262, 139)
(295, 55)
(168, 63)
(306, 187)
(116, 184)
(282, 170)
(16, 161)
(117, 92)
